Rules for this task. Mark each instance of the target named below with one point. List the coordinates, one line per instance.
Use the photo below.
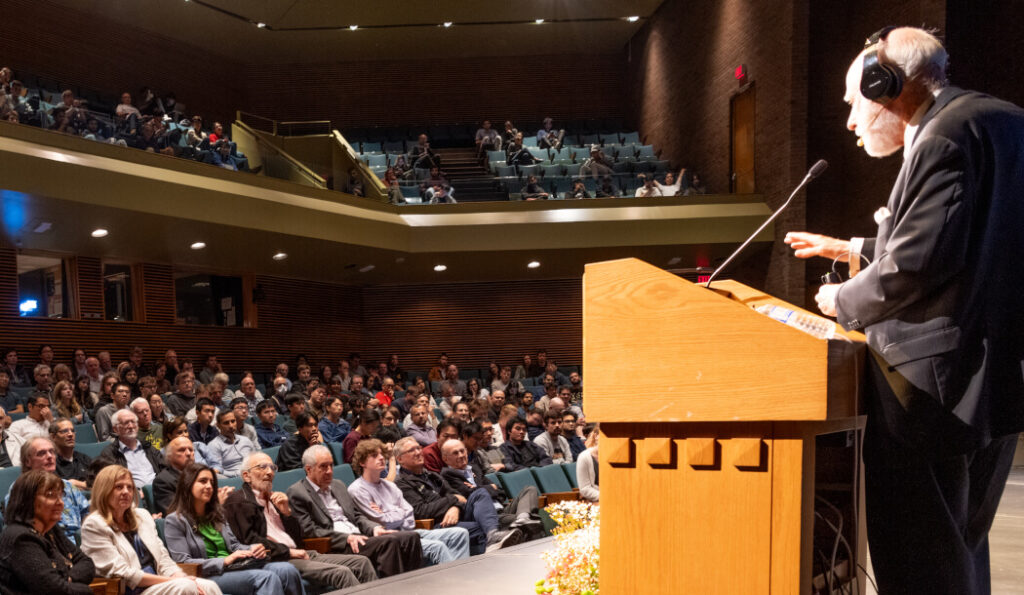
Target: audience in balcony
(509, 134)
(607, 188)
(423, 156)
(487, 139)
(579, 190)
(597, 166)
(647, 188)
(517, 154)
(549, 137)
(534, 191)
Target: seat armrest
(556, 497)
(189, 568)
(106, 586)
(320, 545)
(425, 524)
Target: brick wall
(681, 80)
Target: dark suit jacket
(316, 522)
(250, 526)
(457, 481)
(111, 455)
(940, 301)
(164, 485)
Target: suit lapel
(315, 497)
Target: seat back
(336, 451)
(8, 475)
(517, 480)
(85, 434)
(344, 473)
(551, 479)
(91, 450)
(284, 479)
(234, 482)
(570, 474)
(148, 502)
(271, 452)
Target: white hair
(247, 461)
(120, 413)
(399, 447)
(309, 457)
(220, 377)
(918, 53)
(138, 402)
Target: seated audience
(382, 502)
(196, 533)
(358, 388)
(40, 454)
(549, 137)
(247, 389)
(37, 422)
(674, 184)
(579, 190)
(183, 399)
(203, 429)
(534, 191)
(120, 396)
(257, 514)
(552, 441)
(332, 427)
(369, 422)
(179, 453)
(587, 470)
(17, 373)
(436, 373)
(517, 154)
(10, 445)
(36, 556)
(9, 399)
(487, 139)
(178, 427)
(244, 428)
(71, 465)
(324, 509)
(449, 429)
(127, 450)
(597, 166)
(422, 157)
(229, 449)
(269, 433)
(489, 447)
(572, 433)
(607, 188)
(519, 452)
(354, 184)
(696, 186)
(65, 404)
(290, 455)
(419, 428)
(389, 431)
(648, 187)
(157, 409)
(123, 542)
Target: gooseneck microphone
(812, 173)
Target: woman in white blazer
(123, 542)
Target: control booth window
(117, 291)
(42, 286)
(208, 300)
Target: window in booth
(207, 300)
(42, 286)
(117, 292)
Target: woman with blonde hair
(123, 542)
(65, 404)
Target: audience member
(36, 555)
(243, 420)
(71, 465)
(324, 509)
(579, 190)
(10, 445)
(673, 184)
(332, 427)
(382, 502)
(696, 186)
(369, 422)
(307, 434)
(607, 189)
(534, 191)
(437, 373)
(179, 454)
(422, 157)
(516, 152)
(203, 429)
(122, 541)
(572, 434)
(257, 514)
(18, 374)
(295, 405)
(120, 396)
(552, 440)
(549, 137)
(449, 429)
(196, 533)
(597, 166)
(229, 449)
(40, 454)
(419, 429)
(519, 452)
(9, 399)
(127, 450)
(587, 469)
(179, 402)
(647, 188)
(37, 422)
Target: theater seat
(92, 450)
(85, 434)
(344, 473)
(284, 479)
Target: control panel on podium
(729, 424)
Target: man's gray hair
(402, 443)
(38, 368)
(247, 461)
(118, 416)
(918, 53)
(309, 457)
(28, 449)
(138, 402)
(221, 377)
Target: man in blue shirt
(40, 453)
(332, 427)
(267, 431)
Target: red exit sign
(703, 278)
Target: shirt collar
(915, 123)
(125, 448)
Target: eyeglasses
(66, 431)
(264, 467)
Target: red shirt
(432, 458)
(384, 398)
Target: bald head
(180, 452)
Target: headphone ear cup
(879, 82)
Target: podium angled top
(657, 348)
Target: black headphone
(879, 82)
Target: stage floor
(514, 571)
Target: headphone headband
(878, 36)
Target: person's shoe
(497, 539)
(525, 520)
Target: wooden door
(741, 127)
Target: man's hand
(258, 551)
(224, 492)
(354, 541)
(460, 498)
(826, 299)
(451, 517)
(379, 530)
(376, 508)
(280, 501)
(806, 245)
(298, 554)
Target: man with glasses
(257, 514)
(10, 445)
(243, 423)
(37, 423)
(72, 466)
(229, 450)
(40, 453)
(141, 459)
(120, 396)
(149, 432)
(290, 455)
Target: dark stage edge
(510, 571)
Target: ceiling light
(280, 256)
(447, 24)
(198, 245)
(539, 21)
(440, 268)
(261, 25)
(367, 268)
(533, 264)
(43, 227)
(632, 19)
(99, 233)
(353, 27)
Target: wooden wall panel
(90, 287)
(158, 287)
(8, 289)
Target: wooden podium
(710, 416)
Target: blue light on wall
(28, 307)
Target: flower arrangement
(573, 563)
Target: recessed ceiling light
(675, 260)
(539, 21)
(632, 19)
(367, 268)
(447, 24)
(280, 256)
(440, 268)
(198, 245)
(43, 227)
(353, 27)
(533, 264)
(261, 25)
(99, 233)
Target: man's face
(40, 409)
(43, 377)
(126, 99)
(542, 359)
(144, 413)
(574, 377)
(343, 366)
(121, 395)
(296, 408)
(317, 396)
(565, 394)
(79, 357)
(205, 414)
(211, 362)
(473, 441)
(322, 471)
(280, 385)
(180, 452)
(104, 358)
(568, 425)
(127, 427)
(411, 458)
(357, 384)
(44, 457)
(453, 372)
(517, 433)
(241, 411)
(268, 416)
(108, 386)
(527, 400)
(308, 429)
(881, 129)
(497, 400)
(146, 389)
(171, 358)
(227, 424)
(488, 433)
(553, 426)
(187, 385)
(335, 409)
(487, 124)
(92, 366)
(260, 474)
(281, 370)
(374, 463)
(443, 361)
(65, 436)
(423, 401)
(248, 387)
(304, 374)
(461, 411)
(419, 416)
(449, 433)
(382, 369)
(455, 455)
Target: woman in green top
(196, 533)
